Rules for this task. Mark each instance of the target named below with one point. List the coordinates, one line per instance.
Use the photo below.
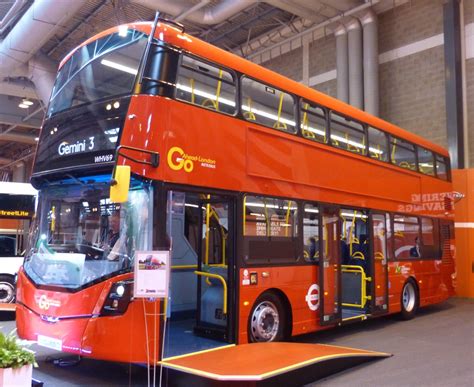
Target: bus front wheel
(409, 300)
(7, 289)
(267, 321)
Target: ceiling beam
(17, 90)
(12, 119)
(4, 160)
(18, 137)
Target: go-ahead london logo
(178, 159)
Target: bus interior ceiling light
(118, 66)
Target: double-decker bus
(286, 211)
(17, 206)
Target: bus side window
(378, 144)
(313, 122)
(430, 238)
(206, 85)
(347, 134)
(407, 242)
(441, 168)
(270, 230)
(425, 161)
(402, 153)
(270, 107)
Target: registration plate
(50, 342)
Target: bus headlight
(119, 297)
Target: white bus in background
(17, 206)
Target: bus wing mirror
(120, 184)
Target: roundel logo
(177, 160)
(312, 297)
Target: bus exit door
(330, 267)
(200, 308)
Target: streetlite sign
(16, 206)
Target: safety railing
(224, 287)
(363, 284)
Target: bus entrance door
(330, 267)
(200, 227)
(214, 261)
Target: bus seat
(212, 299)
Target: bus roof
(175, 36)
(17, 189)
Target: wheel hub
(408, 297)
(265, 322)
(7, 292)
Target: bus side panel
(430, 277)
(294, 282)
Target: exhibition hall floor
(434, 349)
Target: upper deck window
(378, 144)
(206, 85)
(104, 68)
(441, 167)
(347, 134)
(426, 161)
(402, 153)
(268, 106)
(313, 122)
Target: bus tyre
(7, 289)
(267, 321)
(409, 300)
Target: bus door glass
(330, 264)
(380, 272)
(200, 229)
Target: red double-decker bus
(286, 211)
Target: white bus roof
(17, 189)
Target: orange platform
(7, 307)
(265, 364)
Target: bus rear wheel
(7, 289)
(409, 300)
(267, 321)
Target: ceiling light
(36, 138)
(26, 101)
(123, 31)
(23, 106)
